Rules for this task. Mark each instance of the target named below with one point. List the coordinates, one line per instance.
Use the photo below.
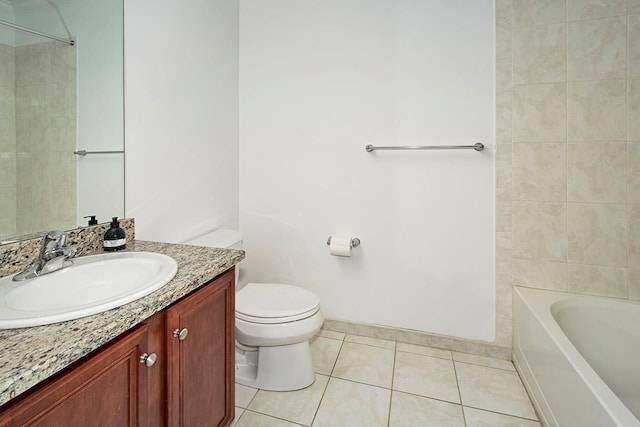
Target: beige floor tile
(426, 376)
(346, 403)
(331, 334)
(425, 351)
(239, 412)
(408, 410)
(244, 395)
(376, 342)
(483, 361)
(366, 364)
(493, 389)
(324, 352)
(253, 419)
(478, 418)
(298, 406)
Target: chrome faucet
(53, 256)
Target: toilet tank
(221, 238)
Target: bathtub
(579, 357)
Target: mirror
(55, 99)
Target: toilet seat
(275, 303)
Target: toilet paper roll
(340, 246)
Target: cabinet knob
(148, 359)
(181, 334)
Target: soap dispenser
(115, 238)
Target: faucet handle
(53, 241)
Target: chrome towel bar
(85, 152)
(478, 146)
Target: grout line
(455, 371)
(500, 413)
(393, 378)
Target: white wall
(319, 81)
(181, 75)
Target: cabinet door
(200, 365)
(109, 388)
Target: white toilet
(273, 325)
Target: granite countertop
(31, 355)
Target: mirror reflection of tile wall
(37, 138)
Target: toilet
(273, 324)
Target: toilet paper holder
(354, 241)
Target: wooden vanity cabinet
(201, 356)
(109, 388)
(191, 382)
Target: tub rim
(540, 303)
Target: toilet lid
(275, 303)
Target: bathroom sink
(93, 284)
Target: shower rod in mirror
(70, 41)
(85, 152)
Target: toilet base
(276, 368)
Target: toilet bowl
(273, 324)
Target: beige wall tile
(597, 172)
(633, 44)
(504, 329)
(335, 325)
(597, 234)
(634, 283)
(480, 348)
(540, 54)
(634, 7)
(504, 113)
(373, 331)
(503, 253)
(634, 235)
(590, 9)
(597, 110)
(503, 166)
(598, 280)
(504, 74)
(424, 339)
(633, 173)
(531, 12)
(540, 171)
(503, 14)
(540, 231)
(503, 216)
(504, 295)
(539, 112)
(504, 41)
(597, 49)
(540, 274)
(633, 108)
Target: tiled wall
(568, 141)
(7, 141)
(46, 136)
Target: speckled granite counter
(30, 355)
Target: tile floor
(371, 382)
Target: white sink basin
(93, 284)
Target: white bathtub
(579, 357)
